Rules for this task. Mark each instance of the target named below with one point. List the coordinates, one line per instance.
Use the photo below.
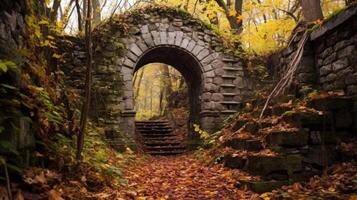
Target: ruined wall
(12, 24)
(329, 61)
(12, 37)
(216, 78)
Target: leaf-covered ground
(181, 177)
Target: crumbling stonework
(216, 80)
(329, 59)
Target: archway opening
(161, 93)
(181, 63)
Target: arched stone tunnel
(217, 81)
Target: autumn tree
(233, 13)
(86, 104)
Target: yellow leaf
(57, 56)
(232, 13)
(265, 196)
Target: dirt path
(181, 177)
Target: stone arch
(167, 35)
(183, 61)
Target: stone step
(154, 130)
(158, 138)
(162, 136)
(331, 103)
(225, 76)
(150, 125)
(274, 111)
(230, 102)
(229, 94)
(269, 167)
(231, 69)
(311, 120)
(166, 153)
(164, 148)
(242, 144)
(230, 60)
(228, 112)
(163, 143)
(287, 139)
(228, 86)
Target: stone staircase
(298, 152)
(156, 137)
(232, 82)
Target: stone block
(179, 37)
(148, 39)
(142, 45)
(197, 49)
(330, 59)
(331, 77)
(203, 54)
(191, 45)
(144, 29)
(289, 139)
(131, 56)
(320, 156)
(210, 74)
(217, 97)
(135, 49)
(185, 43)
(241, 144)
(340, 64)
(156, 37)
(325, 70)
(327, 52)
(206, 96)
(207, 68)
(347, 51)
(171, 38)
(352, 90)
(265, 165)
(129, 63)
(163, 38)
(342, 44)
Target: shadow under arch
(189, 67)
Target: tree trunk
(312, 10)
(235, 24)
(96, 12)
(54, 11)
(86, 104)
(138, 84)
(79, 16)
(168, 86)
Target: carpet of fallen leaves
(340, 183)
(181, 177)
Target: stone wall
(12, 37)
(216, 78)
(12, 23)
(329, 60)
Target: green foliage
(96, 153)
(54, 113)
(6, 65)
